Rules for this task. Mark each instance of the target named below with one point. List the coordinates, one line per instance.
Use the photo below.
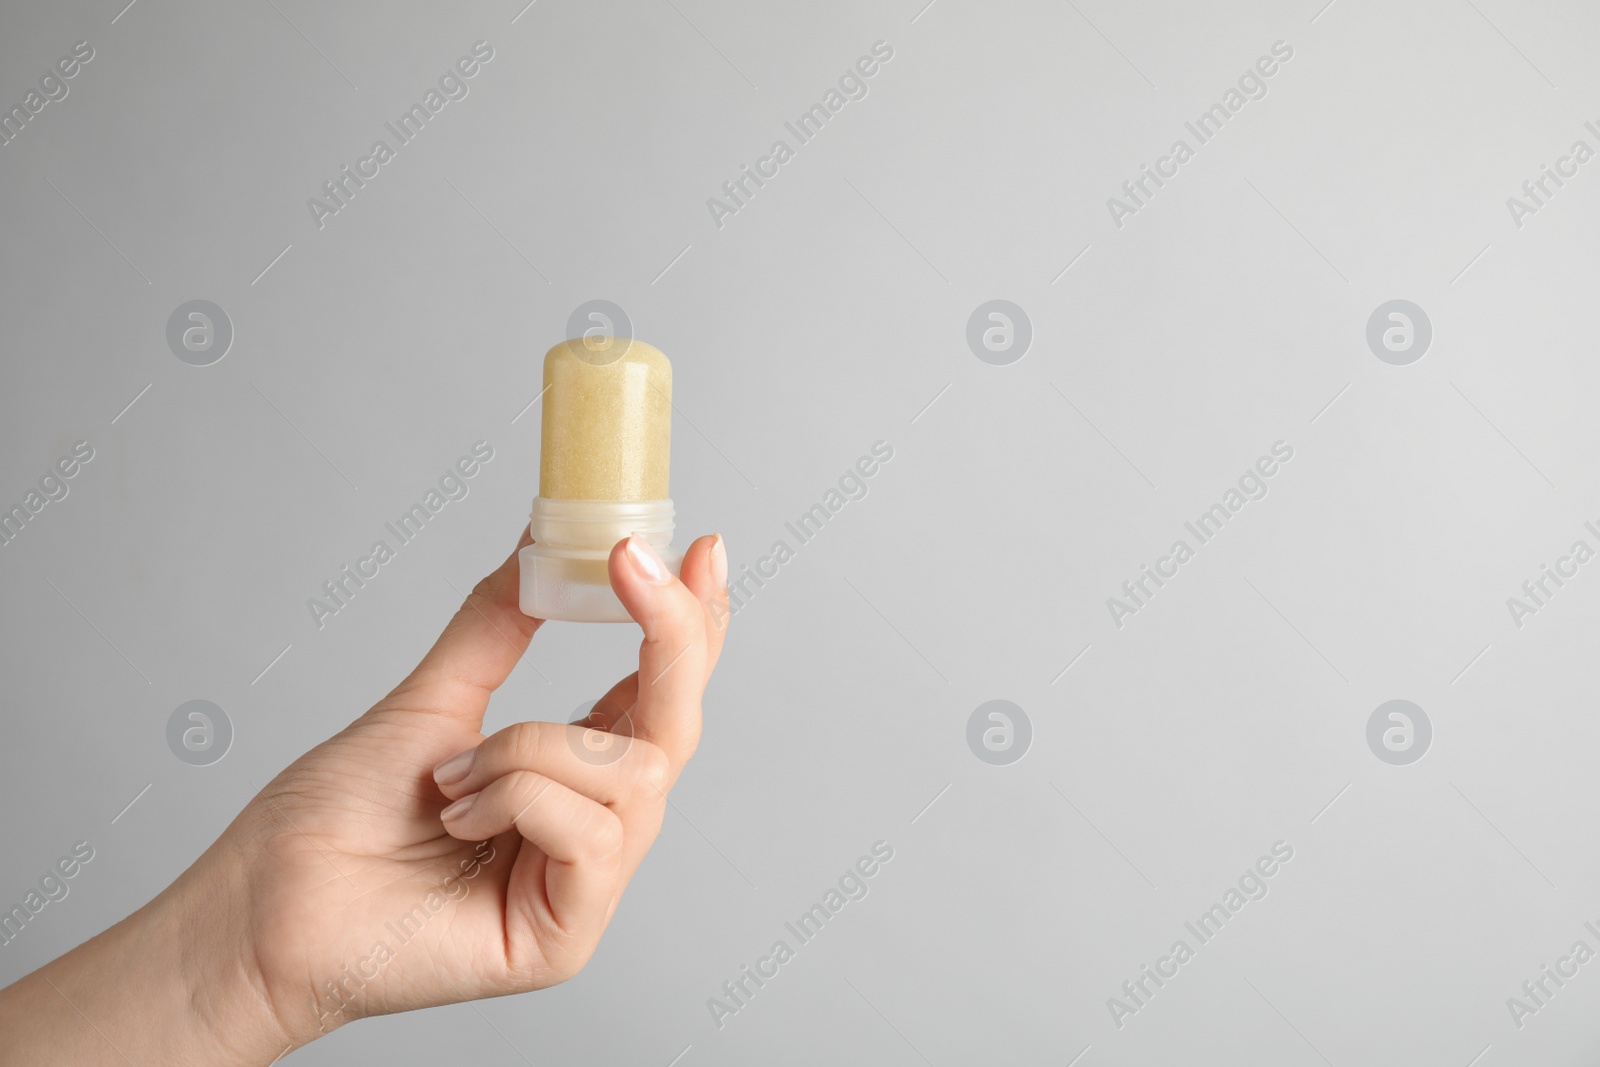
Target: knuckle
(605, 835)
(683, 615)
(654, 769)
(524, 788)
(695, 619)
(546, 742)
(527, 743)
(610, 717)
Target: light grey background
(830, 313)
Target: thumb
(674, 658)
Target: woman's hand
(409, 861)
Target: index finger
(479, 647)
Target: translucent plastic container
(605, 451)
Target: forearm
(171, 984)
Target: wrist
(175, 982)
(200, 928)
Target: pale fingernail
(459, 808)
(455, 768)
(647, 561)
(719, 563)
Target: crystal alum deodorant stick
(603, 459)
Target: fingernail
(647, 561)
(459, 808)
(455, 768)
(719, 563)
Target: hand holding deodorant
(603, 461)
